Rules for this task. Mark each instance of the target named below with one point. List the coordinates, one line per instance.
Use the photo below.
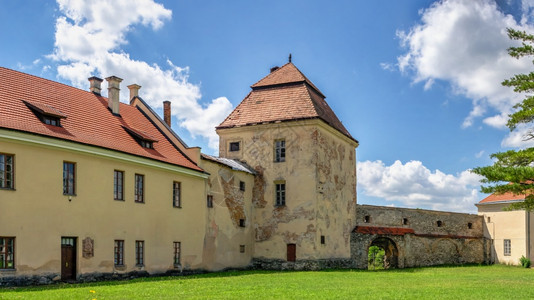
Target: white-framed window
(507, 247)
(280, 192)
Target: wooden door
(68, 259)
(291, 252)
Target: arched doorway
(387, 252)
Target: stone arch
(445, 251)
(471, 250)
(391, 251)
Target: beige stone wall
(319, 172)
(224, 236)
(37, 213)
(501, 225)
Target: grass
(467, 282)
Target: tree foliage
(513, 170)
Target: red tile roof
(88, 119)
(283, 95)
(502, 198)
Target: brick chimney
(94, 84)
(167, 112)
(134, 90)
(113, 93)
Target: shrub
(525, 262)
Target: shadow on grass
(221, 274)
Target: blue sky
(416, 82)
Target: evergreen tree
(513, 170)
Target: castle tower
(304, 194)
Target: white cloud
(464, 43)
(479, 154)
(89, 35)
(413, 185)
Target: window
(279, 150)
(241, 185)
(69, 178)
(119, 252)
(234, 146)
(507, 247)
(176, 194)
(241, 248)
(405, 221)
(209, 201)
(470, 225)
(139, 188)
(118, 185)
(323, 240)
(177, 251)
(280, 191)
(7, 253)
(139, 253)
(146, 144)
(439, 223)
(49, 120)
(489, 219)
(7, 172)
(366, 219)
(241, 222)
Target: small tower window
(242, 186)
(234, 146)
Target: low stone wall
(302, 265)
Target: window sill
(8, 270)
(140, 202)
(120, 267)
(7, 189)
(177, 206)
(122, 200)
(69, 194)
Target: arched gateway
(391, 256)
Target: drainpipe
(528, 234)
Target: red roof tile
(88, 119)
(502, 198)
(283, 95)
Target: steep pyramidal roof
(283, 95)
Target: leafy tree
(376, 257)
(513, 170)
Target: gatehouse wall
(420, 237)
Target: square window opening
(234, 146)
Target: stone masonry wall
(416, 237)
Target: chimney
(94, 84)
(113, 93)
(134, 90)
(274, 68)
(167, 112)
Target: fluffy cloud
(413, 185)
(464, 43)
(88, 40)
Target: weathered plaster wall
(319, 172)
(512, 225)
(37, 213)
(223, 233)
(420, 242)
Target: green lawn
(468, 282)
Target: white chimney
(113, 93)
(94, 84)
